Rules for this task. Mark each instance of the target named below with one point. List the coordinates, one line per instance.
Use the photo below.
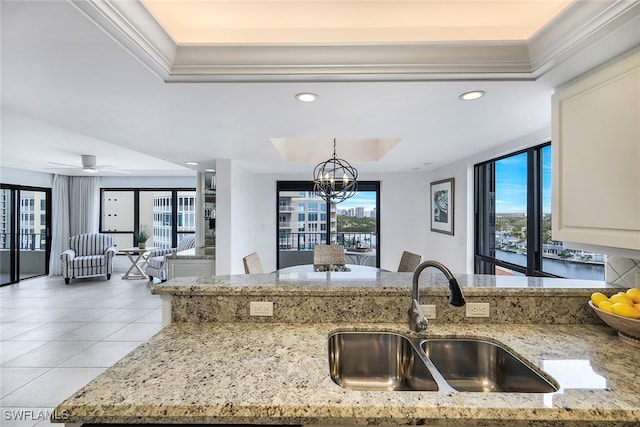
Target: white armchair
(88, 255)
(157, 262)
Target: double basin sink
(386, 361)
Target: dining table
(360, 257)
(308, 271)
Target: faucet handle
(418, 321)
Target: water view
(574, 270)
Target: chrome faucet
(417, 321)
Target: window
(513, 221)
(170, 212)
(321, 223)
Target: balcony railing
(26, 241)
(306, 241)
(287, 208)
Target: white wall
(148, 181)
(40, 179)
(25, 177)
(245, 211)
(404, 216)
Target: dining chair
(252, 264)
(329, 255)
(408, 262)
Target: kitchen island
(232, 368)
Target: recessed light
(472, 95)
(306, 97)
(209, 170)
(191, 163)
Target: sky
(511, 186)
(365, 199)
(511, 183)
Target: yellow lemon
(634, 294)
(622, 309)
(621, 297)
(637, 306)
(597, 298)
(605, 306)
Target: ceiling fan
(89, 166)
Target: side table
(138, 261)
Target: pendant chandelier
(335, 180)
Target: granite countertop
(195, 253)
(378, 282)
(278, 374)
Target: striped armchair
(157, 262)
(88, 255)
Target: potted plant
(142, 235)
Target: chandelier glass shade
(335, 180)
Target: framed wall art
(442, 206)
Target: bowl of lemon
(621, 311)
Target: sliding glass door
(7, 238)
(25, 221)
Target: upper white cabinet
(596, 157)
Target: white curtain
(60, 222)
(84, 204)
(75, 210)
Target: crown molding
(438, 60)
(579, 26)
(131, 25)
(582, 23)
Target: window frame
(136, 210)
(484, 239)
(324, 208)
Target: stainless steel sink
(482, 366)
(386, 361)
(378, 361)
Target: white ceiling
(74, 82)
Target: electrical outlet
(477, 309)
(429, 310)
(260, 308)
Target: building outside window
(33, 204)
(513, 221)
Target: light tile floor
(55, 338)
